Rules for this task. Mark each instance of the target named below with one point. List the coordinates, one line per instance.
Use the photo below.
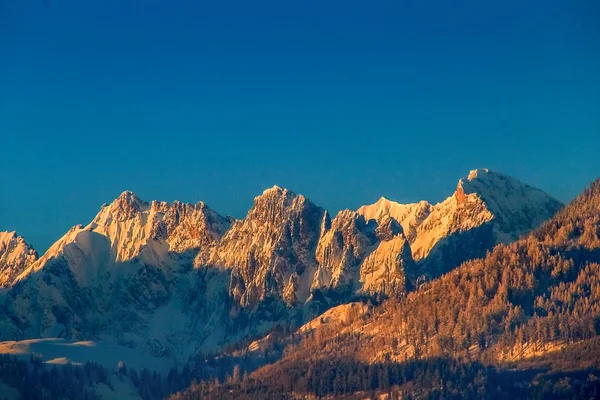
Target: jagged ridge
(15, 257)
(133, 262)
(487, 208)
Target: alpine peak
(15, 256)
(474, 173)
(126, 206)
(275, 190)
(497, 206)
(128, 196)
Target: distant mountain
(127, 275)
(176, 279)
(487, 208)
(130, 228)
(15, 257)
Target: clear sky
(343, 101)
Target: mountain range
(177, 280)
(522, 322)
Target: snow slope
(104, 352)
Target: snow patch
(106, 353)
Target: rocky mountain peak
(276, 203)
(342, 249)
(15, 257)
(191, 226)
(515, 206)
(348, 219)
(271, 251)
(479, 182)
(125, 207)
(134, 228)
(409, 216)
(486, 208)
(132, 224)
(387, 228)
(478, 172)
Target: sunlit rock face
(341, 250)
(487, 208)
(410, 216)
(131, 224)
(271, 252)
(356, 256)
(15, 257)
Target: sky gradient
(343, 102)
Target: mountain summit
(15, 257)
(487, 208)
(271, 251)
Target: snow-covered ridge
(516, 206)
(133, 228)
(484, 197)
(131, 223)
(292, 243)
(138, 264)
(410, 216)
(15, 257)
(127, 274)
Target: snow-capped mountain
(272, 251)
(177, 278)
(487, 208)
(287, 247)
(125, 274)
(151, 233)
(15, 257)
(131, 224)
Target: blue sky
(341, 101)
